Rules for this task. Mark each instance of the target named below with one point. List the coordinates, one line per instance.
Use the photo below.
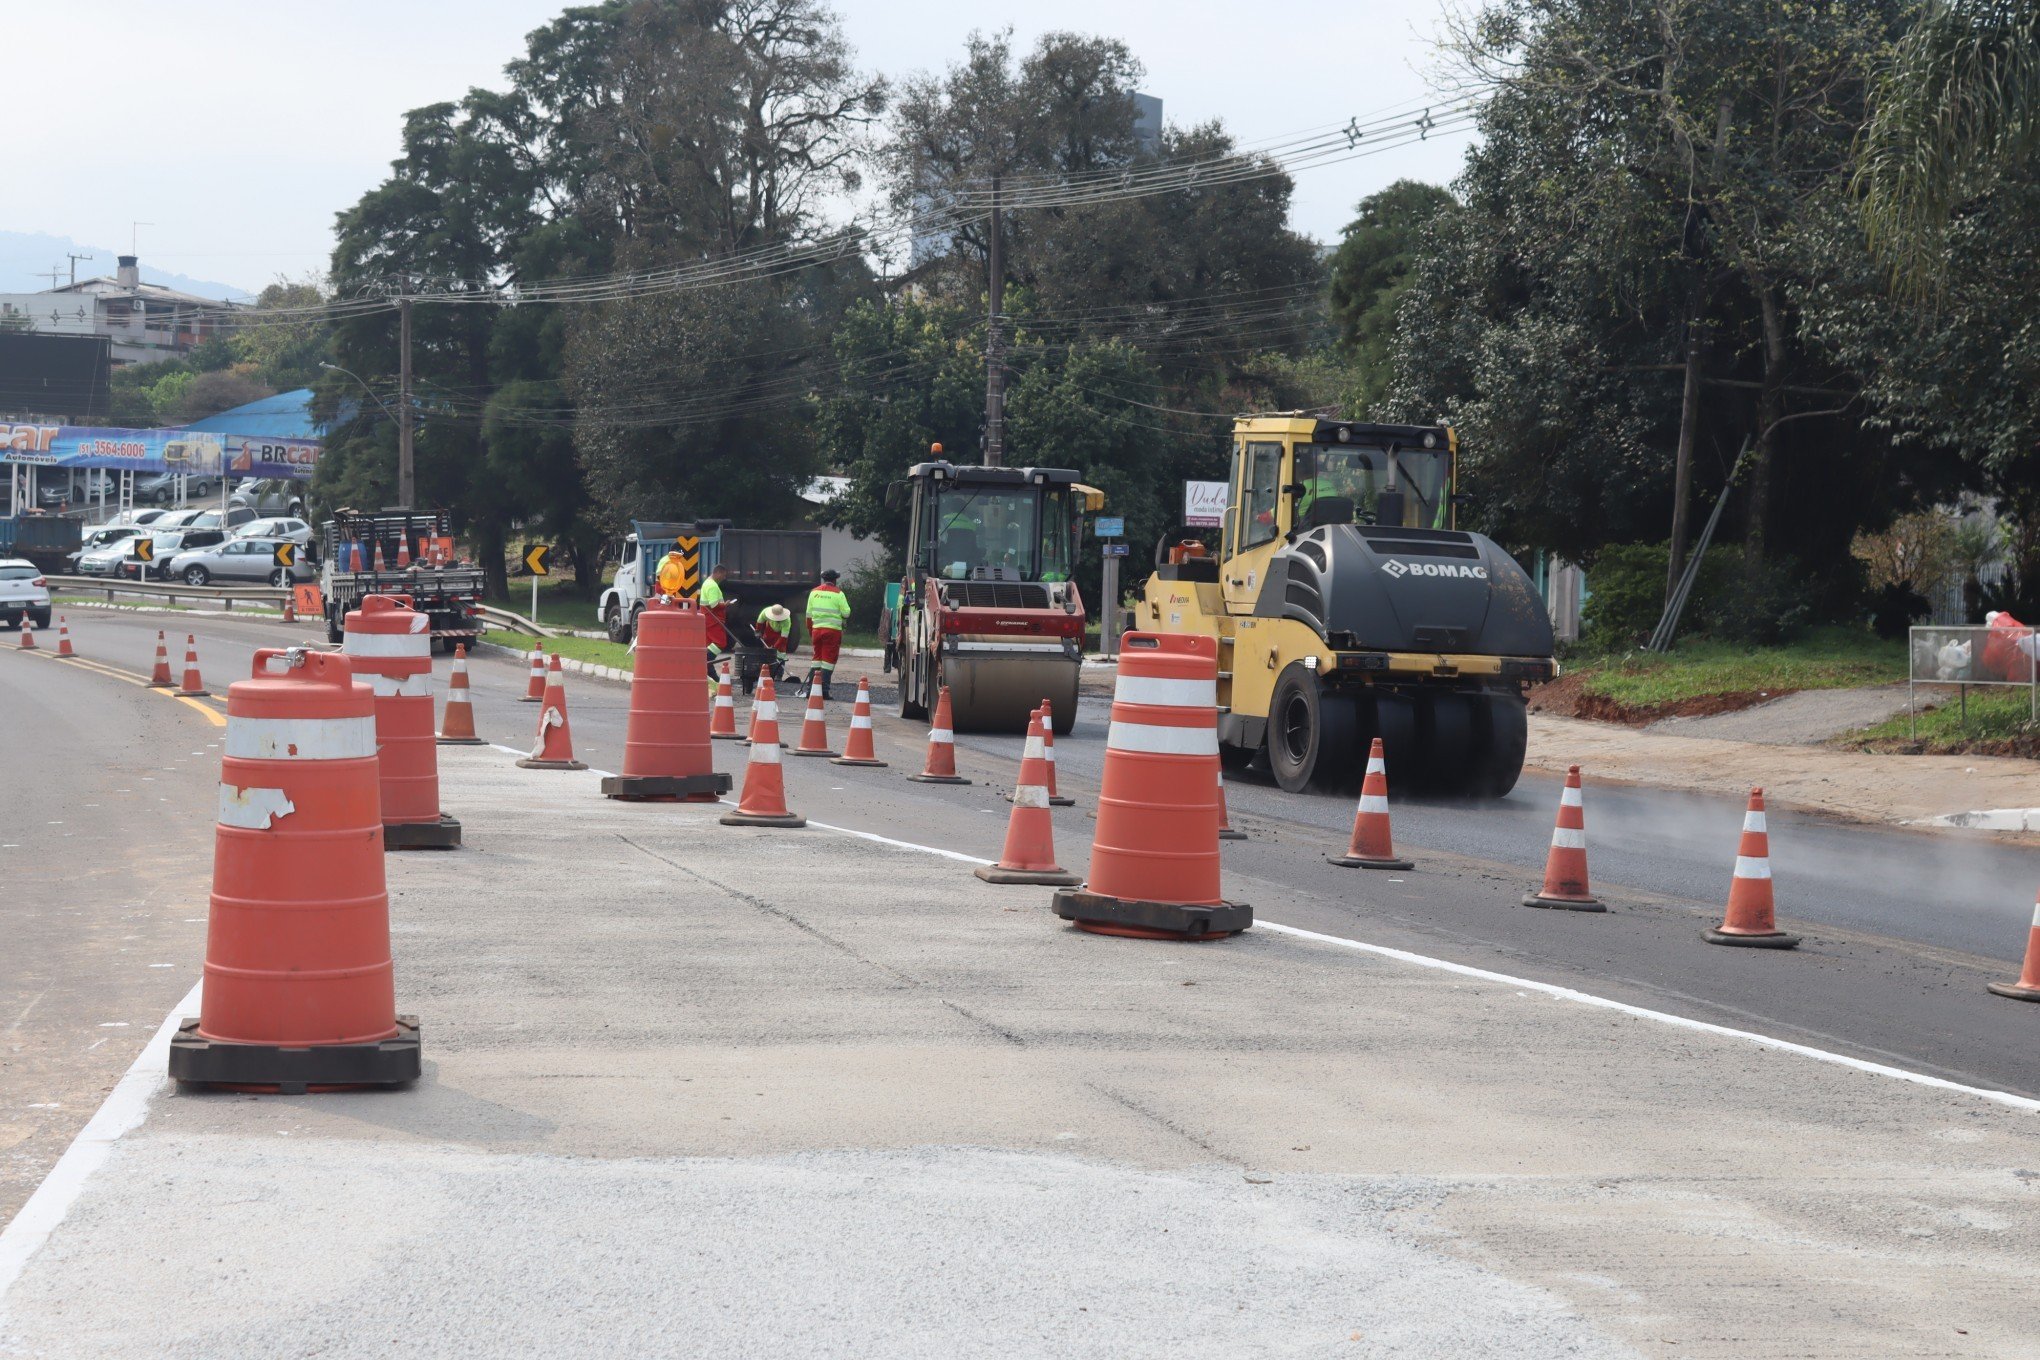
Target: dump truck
(1347, 604)
(986, 606)
(49, 541)
(766, 566)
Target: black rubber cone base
(460, 741)
(293, 1071)
(529, 763)
(790, 820)
(727, 736)
(2013, 990)
(825, 751)
(692, 788)
(1776, 939)
(1059, 800)
(1055, 878)
(1228, 834)
(872, 764)
(443, 834)
(1354, 862)
(1166, 920)
(194, 693)
(1564, 903)
(938, 779)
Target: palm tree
(1958, 105)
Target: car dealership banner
(166, 450)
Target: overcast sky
(245, 125)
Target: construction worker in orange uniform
(775, 630)
(828, 613)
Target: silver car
(105, 549)
(238, 561)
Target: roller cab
(1347, 604)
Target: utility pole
(74, 263)
(407, 479)
(1689, 398)
(995, 344)
(55, 275)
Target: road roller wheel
(913, 687)
(1447, 765)
(1310, 733)
(1504, 731)
(1395, 722)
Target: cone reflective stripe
(534, 683)
(1373, 847)
(1055, 798)
(299, 989)
(1750, 920)
(27, 643)
(1565, 868)
(1029, 856)
(289, 606)
(1154, 854)
(2027, 988)
(941, 764)
(458, 727)
(194, 683)
(389, 644)
(763, 802)
(857, 747)
(159, 678)
(722, 723)
(814, 727)
(554, 749)
(1225, 826)
(666, 753)
(64, 637)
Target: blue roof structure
(287, 415)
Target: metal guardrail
(173, 591)
(515, 623)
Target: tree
(285, 351)
(1369, 274)
(1957, 107)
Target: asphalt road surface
(1902, 927)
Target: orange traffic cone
(289, 606)
(722, 718)
(1749, 921)
(1225, 826)
(64, 637)
(555, 748)
(1055, 797)
(27, 643)
(194, 684)
(2027, 988)
(763, 802)
(299, 992)
(814, 727)
(534, 683)
(1565, 868)
(1029, 856)
(458, 727)
(159, 678)
(1154, 855)
(1372, 847)
(941, 767)
(857, 748)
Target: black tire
(915, 687)
(1395, 722)
(42, 620)
(1504, 731)
(280, 578)
(1310, 733)
(196, 575)
(1449, 745)
(612, 622)
(335, 624)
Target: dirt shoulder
(1863, 786)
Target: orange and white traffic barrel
(1154, 855)
(299, 989)
(666, 752)
(390, 646)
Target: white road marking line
(125, 1107)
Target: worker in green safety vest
(828, 614)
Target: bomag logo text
(1399, 569)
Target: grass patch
(1994, 720)
(1829, 658)
(593, 650)
(560, 604)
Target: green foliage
(1827, 658)
(1946, 724)
(1369, 274)
(1733, 599)
(1628, 585)
(864, 586)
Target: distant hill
(24, 253)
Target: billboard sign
(166, 450)
(1204, 504)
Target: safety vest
(711, 592)
(776, 633)
(827, 607)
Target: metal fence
(1964, 655)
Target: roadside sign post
(1108, 622)
(538, 557)
(1204, 504)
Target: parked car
(65, 489)
(105, 559)
(237, 561)
(99, 537)
(271, 496)
(138, 517)
(169, 536)
(296, 530)
(235, 517)
(24, 593)
(161, 488)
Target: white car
(24, 594)
(296, 530)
